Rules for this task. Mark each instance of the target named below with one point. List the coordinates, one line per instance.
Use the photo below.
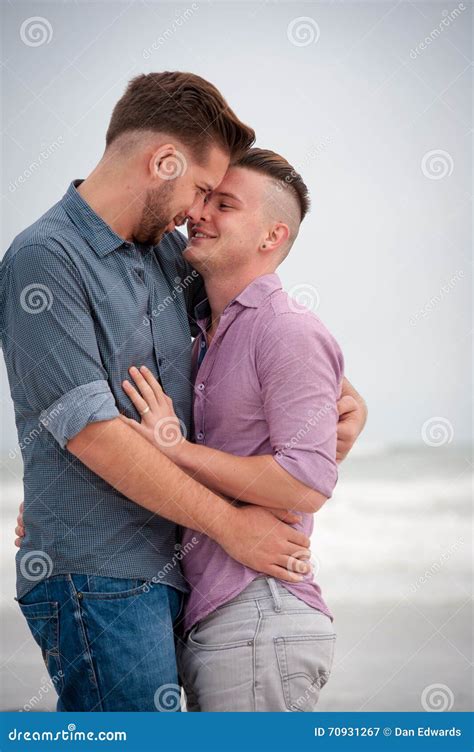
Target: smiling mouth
(200, 234)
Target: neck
(111, 195)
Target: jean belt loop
(275, 594)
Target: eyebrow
(228, 195)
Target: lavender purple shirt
(268, 384)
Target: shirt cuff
(88, 403)
(311, 468)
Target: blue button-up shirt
(79, 306)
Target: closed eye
(225, 206)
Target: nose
(195, 212)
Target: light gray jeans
(265, 650)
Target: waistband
(264, 587)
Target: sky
(371, 102)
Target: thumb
(291, 518)
(132, 423)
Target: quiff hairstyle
(182, 105)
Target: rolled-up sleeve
(50, 337)
(300, 368)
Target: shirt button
(200, 436)
(201, 387)
(203, 343)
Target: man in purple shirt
(268, 376)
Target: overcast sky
(370, 101)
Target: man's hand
(256, 538)
(352, 417)
(19, 530)
(159, 422)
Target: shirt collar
(92, 228)
(259, 289)
(251, 297)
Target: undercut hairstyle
(280, 171)
(182, 105)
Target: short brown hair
(185, 106)
(269, 163)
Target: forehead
(246, 184)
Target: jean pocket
(204, 638)
(43, 621)
(304, 662)
(109, 588)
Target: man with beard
(86, 291)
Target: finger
(136, 399)
(18, 542)
(22, 507)
(281, 573)
(20, 531)
(124, 419)
(346, 404)
(153, 383)
(19, 522)
(145, 389)
(293, 565)
(298, 539)
(134, 424)
(302, 553)
(285, 515)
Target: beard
(156, 215)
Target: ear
(275, 238)
(162, 161)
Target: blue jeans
(108, 643)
